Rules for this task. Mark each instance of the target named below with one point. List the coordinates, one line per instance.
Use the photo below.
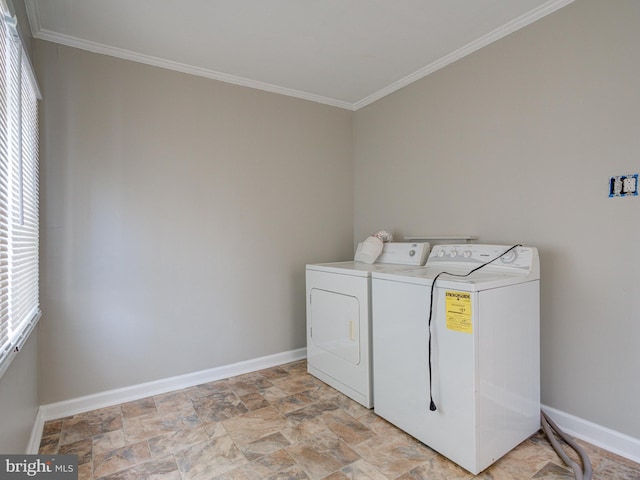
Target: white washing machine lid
(360, 269)
(522, 265)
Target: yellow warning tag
(458, 307)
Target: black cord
(432, 404)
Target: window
(19, 299)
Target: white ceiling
(346, 53)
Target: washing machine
(479, 361)
(339, 317)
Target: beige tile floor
(278, 423)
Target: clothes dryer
(339, 317)
(481, 369)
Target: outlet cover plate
(623, 185)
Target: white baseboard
(603, 437)
(36, 434)
(109, 398)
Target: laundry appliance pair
(448, 352)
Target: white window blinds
(19, 231)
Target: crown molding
(37, 31)
(520, 22)
(41, 33)
(184, 68)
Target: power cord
(584, 472)
(432, 404)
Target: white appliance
(485, 355)
(339, 317)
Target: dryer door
(338, 332)
(335, 325)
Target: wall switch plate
(623, 185)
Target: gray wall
(19, 398)
(516, 144)
(177, 217)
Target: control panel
(472, 255)
(404, 253)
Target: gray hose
(583, 473)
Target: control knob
(509, 257)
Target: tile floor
(278, 423)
